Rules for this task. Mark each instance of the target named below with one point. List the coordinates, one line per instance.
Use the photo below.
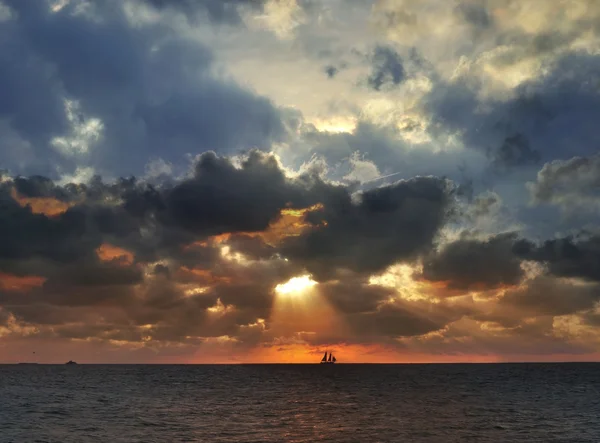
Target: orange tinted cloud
(201, 276)
(48, 206)
(110, 253)
(447, 287)
(291, 222)
(10, 282)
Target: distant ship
(70, 362)
(328, 361)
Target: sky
(229, 181)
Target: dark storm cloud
(158, 223)
(573, 256)
(149, 87)
(364, 233)
(387, 68)
(117, 213)
(25, 235)
(240, 200)
(43, 242)
(38, 186)
(404, 319)
(219, 198)
(351, 296)
(381, 227)
(550, 296)
(394, 322)
(469, 263)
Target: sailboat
(328, 361)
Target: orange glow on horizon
(9, 282)
(110, 253)
(50, 207)
(301, 353)
(19, 349)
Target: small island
(70, 362)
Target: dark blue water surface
(301, 403)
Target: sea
(300, 403)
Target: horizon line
(305, 364)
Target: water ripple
(300, 403)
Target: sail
(329, 356)
(334, 360)
(325, 357)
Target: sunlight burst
(295, 285)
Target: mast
(325, 357)
(329, 357)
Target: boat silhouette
(328, 361)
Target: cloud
(570, 184)
(547, 116)
(373, 146)
(26, 235)
(473, 264)
(406, 319)
(551, 296)
(514, 151)
(476, 15)
(573, 256)
(241, 200)
(281, 17)
(218, 11)
(331, 71)
(142, 88)
(352, 296)
(379, 227)
(191, 258)
(387, 68)
(166, 165)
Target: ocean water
(301, 403)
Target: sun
(295, 285)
